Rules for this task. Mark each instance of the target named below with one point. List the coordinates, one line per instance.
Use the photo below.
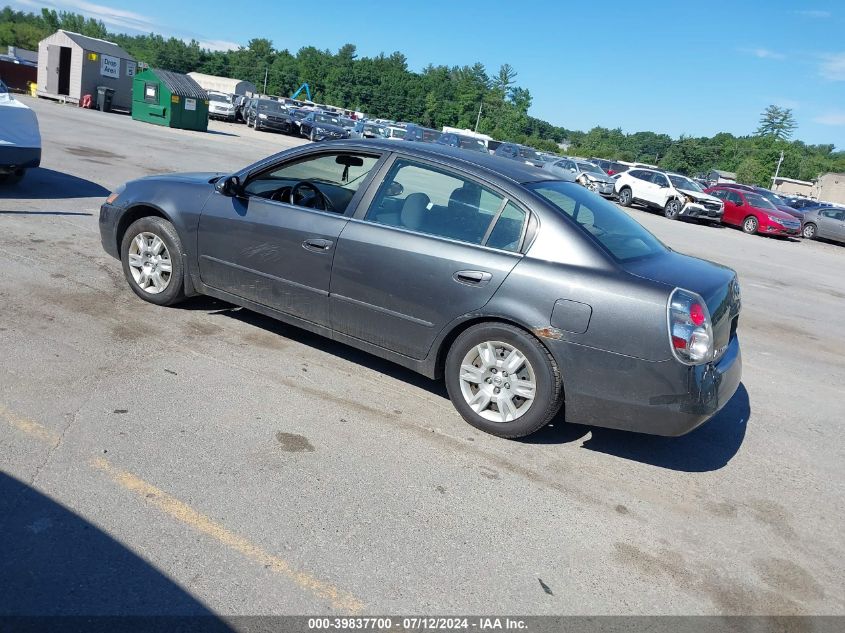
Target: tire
(750, 225)
(13, 178)
(625, 197)
(535, 366)
(809, 231)
(147, 275)
(672, 209)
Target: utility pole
(265, 80)
(478, 119)
(777, 171)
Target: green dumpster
(170, 99)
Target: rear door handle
(472, 277)
(317, 245)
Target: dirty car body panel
(597, 301)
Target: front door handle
(317, 245)
(472, 277)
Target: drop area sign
(110, 66)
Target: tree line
(383, 86)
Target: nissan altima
(524, 293)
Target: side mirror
(230, 186)
(739, 203)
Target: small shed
(170, 99)
(71, 65)
(226, 85)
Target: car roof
(511, 169)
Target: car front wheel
(502, 380)
(625, 197)
(152, 255)
(750, 225)
(672, 209)
(809, 231)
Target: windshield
(322, 118)
(530, 154)
(772, 197)
(375, 129)
(221, 98)
(589, 167)
(756, 200)
(472, 143)
(680, 182)
(270, 106)
(614, 230)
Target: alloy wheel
(497, 381)
(149, 263)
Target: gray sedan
(585, 174)
(525, 293)
(826, 222)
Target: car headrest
(413, 210)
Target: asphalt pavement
(204, 459)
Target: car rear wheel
(625, 197)
(152, 256)
(750, 225)
(809, 231)
(502, 380)
(672, 209)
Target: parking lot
(207, 459)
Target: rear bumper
(13, 158)
(658, 398)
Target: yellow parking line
(187, 515)
(182, 512)
(31, 428)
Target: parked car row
(753, 209)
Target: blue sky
(674, 67)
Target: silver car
(525, 294)
(828, 223)
(585, 174)
(221, 106)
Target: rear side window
(614, 230)
(437, 202)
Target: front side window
(326, 182)
(614, 230)
(659, 180)
(437, 202)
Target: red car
(753, 212)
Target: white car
(220, 106)
(20, 139)
(675, 195)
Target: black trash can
(104, 98)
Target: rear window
(614, 230)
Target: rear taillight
(690, 328)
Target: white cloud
(122, 21)
(814, 13)
(763, 53)
(115, 18)
(831, 118)
(218, 45)
(833, 67)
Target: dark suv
(421, 134)
(464, 142)
(521, 153)
(268, 114)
